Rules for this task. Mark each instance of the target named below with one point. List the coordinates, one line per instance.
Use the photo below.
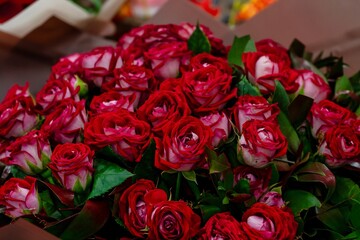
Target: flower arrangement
(172, 135)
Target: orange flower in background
(9, 8)
(251, 8)
(207, 5)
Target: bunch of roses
(153, 86)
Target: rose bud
(130, 80)
(122, 131)
(97, 65)
(66, 68)
(250, 107)
(272, 199)
(17, 117)
(312, 85)
(269, 46)
(261, 142)
(341, 145)
(17, 91)
(183, 145)
(204, 60)
(31, 152)
(168, 58)
(326, 114)
(220, 126)
(258, 178)
(111, 102)
(72, 165)
(221, 226)
(163, 108)
(20, 197)
(261, 221)
(66, 122)
(207, 89)
(133, 207)
(53, 93)
(172, 220)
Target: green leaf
(317, 172)
(198, 42)
(217, 164)
(280, 96)
(246, 88)
(274, 175)
(208, 211)
(190, 175)
(240, 45)
(146, 168)
(297, 47)
(333, 218)
(300, 200)
(17, 173)
(243, 186)
(299, 109)
(49, 206)
(107, 175)
(352, 236)
(354, 216)
(337, 70)
(289, 132)
(90, 219)
(346, 190)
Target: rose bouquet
(172, 135)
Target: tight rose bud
(222, 226)
(133, 206)
(172, 220)
(261, 142)
(20, 197)
(72, 165)
(326, 114)
(250, 107)
(66, 122)
(261, 221)
(17, 91)
(312, 85)
(341, 145)
(220, 126)
(182, 147)
(31, 152)
(17, 117)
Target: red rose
(20, 197)
(17, 91)
(268, 222)
(17, 117)
(222, 226)
(121, 130)
(269, 46)
(133, 206)
(203, 60)
(207, 89)
(341, 145)
(97, 65)
(4, 154)
(312, 85)
(264, 68)
(171, 84)
(10, 8)
(326, 114)
(220, 127)
(111, 102)
(253, 107)
(182, 147)
(172, 220)
(162, 108)
(72, 165)
(261, 142)
(258, 178)
(66, 68)
(66, 122)
(53, 93)
(167, 59)
(31, 152)
(130, 80)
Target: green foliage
(198, 42)
(240, 45)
